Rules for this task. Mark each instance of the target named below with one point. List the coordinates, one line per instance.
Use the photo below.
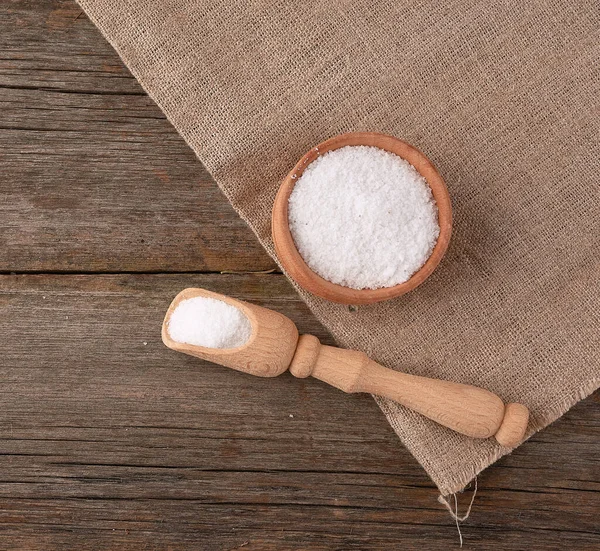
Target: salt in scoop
(274, 346)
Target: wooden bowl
(294, 264)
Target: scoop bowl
(267, 353)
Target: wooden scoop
(275, 346)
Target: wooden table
(111, 441)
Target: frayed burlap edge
(551, 414)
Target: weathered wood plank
(94, 178)
(110, 442)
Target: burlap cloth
(502, 96)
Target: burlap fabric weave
(502, 96)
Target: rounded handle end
(513, 427)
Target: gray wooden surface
(110, 441)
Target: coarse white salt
(363, 218)
(205, 321)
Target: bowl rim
(289, 256)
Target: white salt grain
(363, 218)
(209, 322)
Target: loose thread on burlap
(454, 514)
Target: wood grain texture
(94, 178)
(108, 440)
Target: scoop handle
(466, 409)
